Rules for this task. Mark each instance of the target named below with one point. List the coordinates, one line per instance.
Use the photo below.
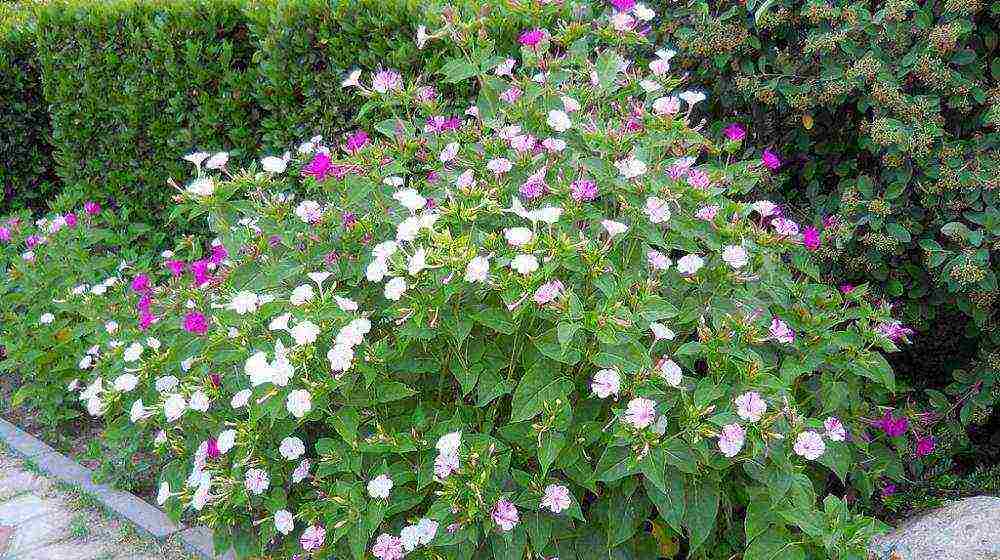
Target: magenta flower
(145, 303)
(846, 288)
(71, 220)
(531, 38)
(140, 284)
(583, 190)
(91, 208)
(146, 319)
(199, 269)
(698, 179)
(320, 166)
(356, 140)
(212, 449)
(892, 426)
(5, 233)
(195, 322)
(894, 330)
(735, 132)
(771, 160)
(888, 490)
(925, 446)
(811, 238)
(623, 5)
(176, 267)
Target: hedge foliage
(26, 174)
(134, 85)
(886, 116)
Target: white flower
(559, 120)
(244, 302)
(447, 154)
(606, 382)
(153, 343)
(478, 269)
(340, 357)
(417, 262)
(380, 486)
(283, 521)
(160, 438)
(524, 264)
(94, 406)
(408, 229)
(449, 443)
(292, 448)
(299, 403)
(319, 277)
(174, 407)
(273, 164)
(257, 481)
(518, 236)
(164, 493)
(126, 382)
(735, 256)
(199, 401)
(410, 537)
(395, 288)
(165, 383)
(280, 323)
(657, 210)
(111, 327)
(385, 249)
(202, 186)
(241, 399)
(218, 160)
(614, 228)
(643, 12)
(302, 294)
(226, 441)
(569, 104)
(352, 79)
(670, 372)
(46, 318)
(410, 199)
(133, 352)
(427, 529)
(305, 332)
(835, 429)
(630, 167)
(197, 157)
(377, 270)
(661, 331)
(689, 264)
(692, 97)
(86, 362)
(421, 41)
(649, 86)
(764, 207)
(258, 368)
(345, 304)
(137, 411)
(281, 368)
(309, 211)
(810, 445)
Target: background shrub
(132, 86)
(26, 174)
(885, 115)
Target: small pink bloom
(925, 446)
(505, 515)
(784, 226)
(195, 322)
(771, 160)
(583, 190)
(355, 141)
(320, 166)
(888, 490)
(91, 208)
(548, 292)
(640, 413)
(781, 332)
(892, 426)
(176, 267)
(212, 449)
(698, 179)
(511, 95)
(199, 269)
(140, 284)
(835, 429)
(894, 330)
(846, 288)
(531, 38)
(735, 132)
(5, 233)
(557, 498)
(219, 254)
(750, 406)
(811, 238)
(623, 5)
(312, 538)
(707, 213)
(388, 547)
(71, 220)
(731, 439)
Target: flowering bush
(543, 322)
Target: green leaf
(540, 385)
(495, 319)
(702, 506)
(457, 70)
(393, 391)
(775, 544)
(551, 443)
(670, 501)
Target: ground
(43, 520)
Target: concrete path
(40, 520)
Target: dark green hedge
(133, 85)
(27, 177)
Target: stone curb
(147, 518)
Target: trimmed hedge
(27, 176)
(134, 85)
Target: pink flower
(71, 220)
(385, 81)
(640, 413)
(925, 446)
(731, 439)
(846, 288)
(888, 490)
(750, 406)
(557, 498)
(219, 254)
(445, 464)
(606, 382)
(548, 292)
(835, 429)
(892, 426)
(810, 445)
(146, 319)
(319, 167)
(195, 322)
(698, 179)
(531, 38)
(771, 160)
(781, 332)
(355, 141)
(707, 213)
(534, 186)
(623, 5)
(784, 226)
(511, 94)
(140, 284)
(735, 132)
(212, 449)
(583, 190)
(312, 538)
(810, 238)
(176, 267)
(5, 233)
(505, 515)
(894, 330)
(388, 547)
(657, 260)
(91, 208)
(199, 269)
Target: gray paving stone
(199, 541)
(23, 508)
(39, 532)
(138, 512)
(65, 550)
(20, 441)
(18, 482)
